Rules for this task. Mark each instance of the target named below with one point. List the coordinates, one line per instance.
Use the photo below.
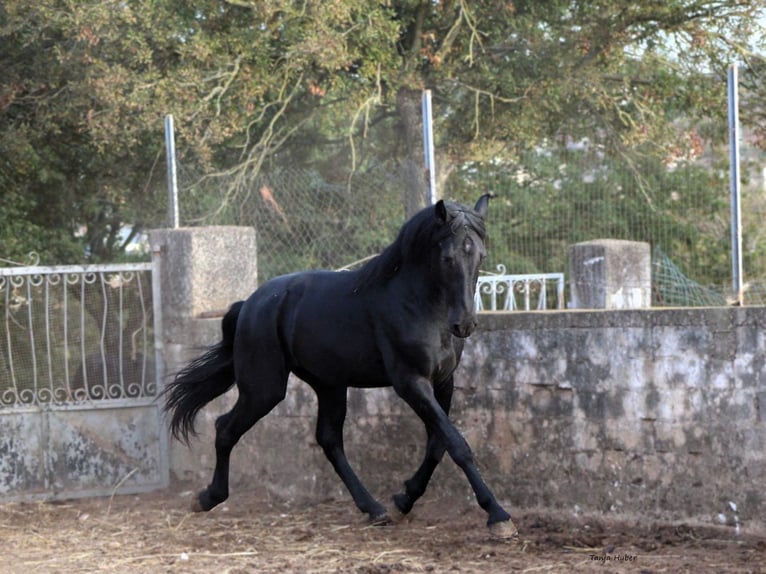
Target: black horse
(400, 320)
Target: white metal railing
(504, 292)
(76, 333)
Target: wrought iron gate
(80, 372)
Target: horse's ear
(483, 204)
(441, 211)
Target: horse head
(461, 251)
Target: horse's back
(322, 328)
(315, 292)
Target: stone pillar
(203, 270)
(610, 274)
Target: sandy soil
(154, 533)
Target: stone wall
(655, 413)
(203, 270)
(649, 413)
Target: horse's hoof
(201, 502)
(381, 520)
(402, 502)
(196, 505)
(505, 530)
(396, 515)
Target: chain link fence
(308, 217)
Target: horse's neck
(413, 289)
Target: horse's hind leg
(257, 397)
(329, 435)
(415, 487)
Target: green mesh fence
(672, 288)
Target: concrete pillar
(203, 270)
(610, 274)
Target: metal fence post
(428, 145)
(170, 149)
(736, 218)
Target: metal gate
(80, 372)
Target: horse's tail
(202, 380)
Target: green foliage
(554, 197)
(259, 86)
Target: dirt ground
(155, 533)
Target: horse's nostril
(463, 330)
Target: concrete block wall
(655, 414)
(652, 413)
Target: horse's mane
(415, 239)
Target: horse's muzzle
(463, 328)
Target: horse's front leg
(329, 435)
(415, 487)
(418, 393)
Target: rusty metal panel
(95, 450)
(22, 464)
(74, 452)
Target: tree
(264, 82)
(86, 87)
